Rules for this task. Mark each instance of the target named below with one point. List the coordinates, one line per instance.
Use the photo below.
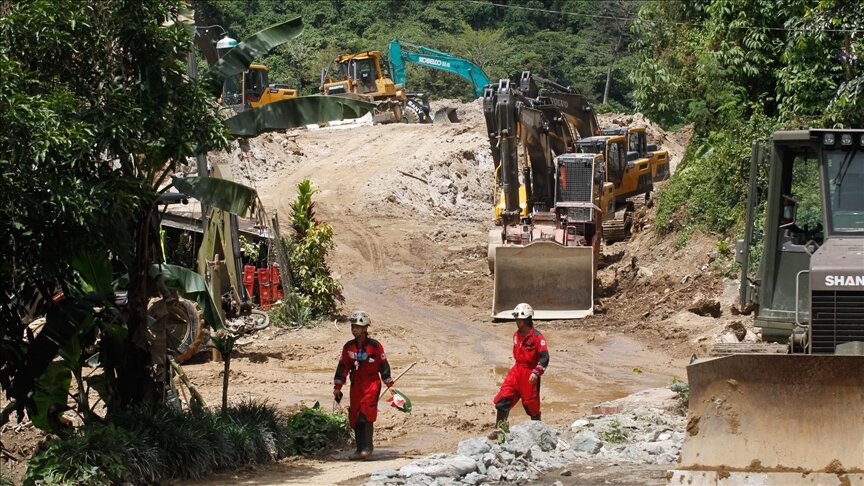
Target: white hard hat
(359, 318)
(523, 311)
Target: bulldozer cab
(359, 74)
(252, 89)
(814, 200)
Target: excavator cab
(795, 418)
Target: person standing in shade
(364, 360)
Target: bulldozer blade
(446, 115)
(775, 414)
(558, 281)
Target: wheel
(184, 328)
(410, 116)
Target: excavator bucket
(558, 281)
(772, 417)
(446, 115)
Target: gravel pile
(636, 431)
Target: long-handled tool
(396, 379)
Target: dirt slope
(410, 205)
(411, 208)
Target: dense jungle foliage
(739, 69)
(574, 48)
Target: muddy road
(410, 207)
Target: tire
(410, 116)
(185, 329)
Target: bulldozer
(361, 77)
(637, 141)
(796, 417)
(545, 246)
(252, 89)
(632, 166)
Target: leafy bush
(314, 430)
(96, 454)
(307, 251)
(709, 190)
(682, 390)
(294, 311)
(146, 445)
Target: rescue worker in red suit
(523, 380)
(363, 358)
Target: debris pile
(647, 429)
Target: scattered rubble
(643, 428)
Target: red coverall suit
(364, 362)
(532, 357)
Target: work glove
(337, 395)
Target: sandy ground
(410, 205)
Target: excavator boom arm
(436, 60)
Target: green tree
(97, 111)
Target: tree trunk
(227, 367)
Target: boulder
(473, 448)
(439, 465)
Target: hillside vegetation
(574, 48)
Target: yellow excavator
(795, 418)
(361, 77)
(252, 89)
(545, 246)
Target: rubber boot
(367, 449)
(499, 417)
(359, 438)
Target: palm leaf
(295, 112)
(238, 59)
(220, 193)
(191, 286)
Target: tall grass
(146, 445)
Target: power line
(611, 17)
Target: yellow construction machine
(632, 166)
(637, 141)
(252, 89)
(794, 418)
(361, 77)
(545, 247)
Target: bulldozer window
(845, 180)
(802, 212)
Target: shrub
(294, 311)
(313, 430)
(96, 454)
(307, 249)
(709, 190)
(146, 445)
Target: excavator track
(618, 229)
